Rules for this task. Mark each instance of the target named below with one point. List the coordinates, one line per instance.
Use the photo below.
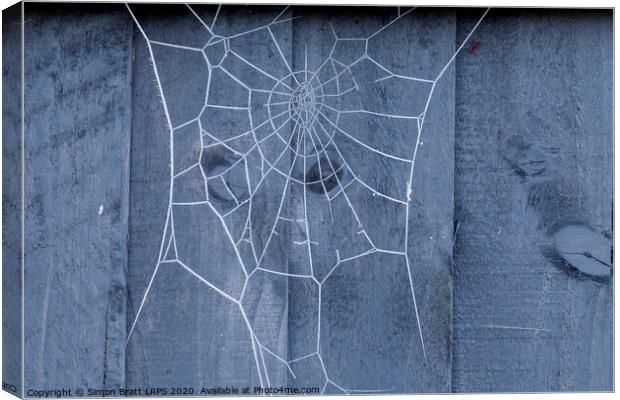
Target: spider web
(288, 126)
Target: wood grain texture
(11, 198)
(186, 335)
(77, 102)
(533, 154)
(368, 314)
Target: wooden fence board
(533, 155)
(77, 105)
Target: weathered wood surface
(77, 134)
(533, 154)
(187, 334)
(131, 278)
(368, 314)
(11, 198)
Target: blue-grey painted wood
(369, 334)
(11, 198)
(533, 155)
(77, 130)
(185, 334)
(128, 284)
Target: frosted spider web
(300, 114)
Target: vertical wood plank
(190, 327)
(533, 155)
(387, 231)
(11, 198)
(77, 102)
